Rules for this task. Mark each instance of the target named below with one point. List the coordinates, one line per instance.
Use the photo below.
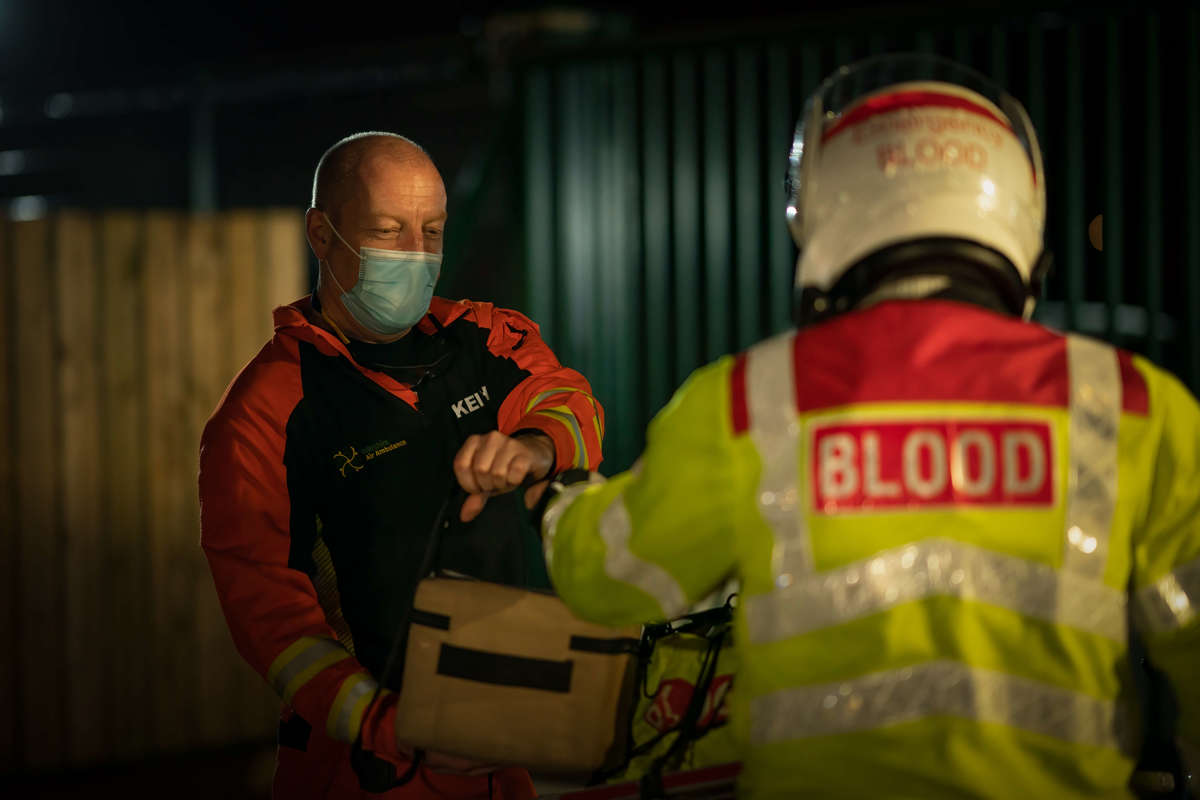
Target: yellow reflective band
(567, 418)
(550, 393)
(1094, 414)
(621, 564)
(938, 688)
(346, 713)
(775, 430)
(936, 568)
(303, 659)
(1172, 601)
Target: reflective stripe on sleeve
(775, 430)
(346, 713)
(933, 568)
(1094, 414)
(1172, 601)
(303, 659)
(550, 393)
(621, 564)
(567, 390)
(564, 415)
(939, 688)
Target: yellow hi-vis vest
(940, 518)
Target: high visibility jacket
(320, 481)
(939, 516)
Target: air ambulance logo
(883, 465)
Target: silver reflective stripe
(345, 714)
(564, 415)
(548, 393)
(621, 564)
(1095, 413)
(938, 688)
(775, 430)
(1172, 601)
(933, 568)
(558, 506)
(309, 654)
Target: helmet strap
(977, 274)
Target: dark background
(222, 105)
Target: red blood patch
(864, 466)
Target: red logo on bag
(672, 699)
(932, 463)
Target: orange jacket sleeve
(553, 399)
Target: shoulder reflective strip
(303, 659)
(1094, 414)
(621, 564)
(346, 713)
(775, 430)
(564, 415)
(548, 393)
(938, 688)
(936, 568)
(1172, 601)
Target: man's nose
(412, 240)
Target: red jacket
(320, 479)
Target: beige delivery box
(505, 675)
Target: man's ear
(318, 233)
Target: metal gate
(653, 186)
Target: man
(332, 454)
(937, 510)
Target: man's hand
(494, 464)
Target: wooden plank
(286, 261)
(210, 344)
(86, 636)
(283, 278)
(245, 251)
(41, 568)
(9, 576)
(123, 479)
(172, 557)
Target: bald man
(328, 462)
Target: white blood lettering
(1014, 442)
(873, 484)
(918, 483)
(960, 473)
(839, 475)
(901, 464)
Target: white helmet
(902, 158)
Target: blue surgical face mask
(393, 290)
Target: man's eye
(386, 231)
(435, 232)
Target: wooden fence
(118, 333)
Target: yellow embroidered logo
(369, 452)
(347, 461)
(382, 447)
